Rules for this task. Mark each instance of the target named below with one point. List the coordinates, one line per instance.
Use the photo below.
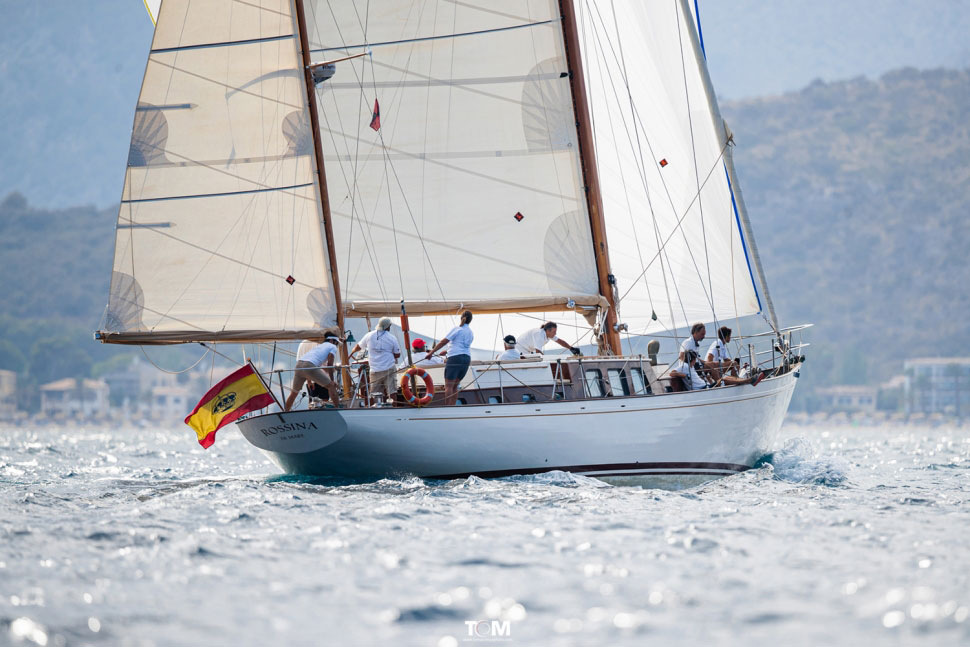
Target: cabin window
(495, 399)
(640, 386)
(593, 380)
(618, 383)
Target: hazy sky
(70, 72)
(757, 47)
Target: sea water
(139, 537)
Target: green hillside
(859, 194)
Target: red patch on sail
(375, 121)
(663, 162)
(518, 216)
(290, 280)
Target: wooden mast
(311, 92)
(587, 157)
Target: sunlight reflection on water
(138, 537)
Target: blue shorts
(456, 367)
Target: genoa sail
(676, 243)
(219, 232)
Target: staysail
(676, 243)
(219, 233)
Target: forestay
(219, 231)
(476, 126)
(674, 237)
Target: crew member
(417, 347)
(511, 352)
(459, 355)
(308, 370)
(532, 341)
(383, 351)
(718, 360)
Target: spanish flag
(238, 394)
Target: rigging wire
(680, 220)
(641, 167)
(693, 145)
(163, 370)
(637, 120)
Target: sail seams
(231, 43)
(217, 195)
(429, 38)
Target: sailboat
(297, 165)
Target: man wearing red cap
(419, 348)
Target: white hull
(667, 440)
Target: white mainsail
(675, 238)
(477, 126)
(219, 231)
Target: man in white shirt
(718, 360)
(383, 351)
(511, 352)
(532, 341)
(697, 333)
(685, 367)
(308, 369)
(418, 347)
(687, 370)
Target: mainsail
(470, 192)
(219, 232)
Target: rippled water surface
(140, 537)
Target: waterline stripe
(580, 469)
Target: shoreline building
(847, 398)
(938, 385)
(8, 393)
(72, 397)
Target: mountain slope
(859, 193)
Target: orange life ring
(412, 399)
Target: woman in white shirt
(459, 355)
